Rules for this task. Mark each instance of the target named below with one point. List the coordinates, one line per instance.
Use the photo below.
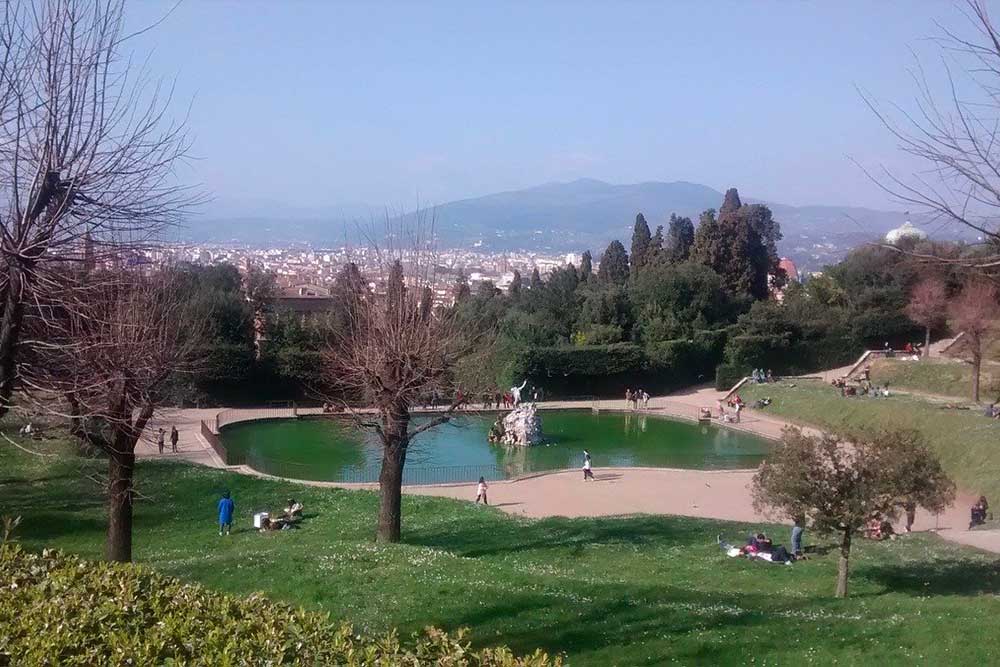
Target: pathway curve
(721, 495)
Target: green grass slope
(943, 377)
(967, 443)
(631, 591)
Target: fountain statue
(516, 393)
(521, 427)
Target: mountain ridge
(553, 216)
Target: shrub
(727, 375)
(58, 609)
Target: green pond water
(330, 449)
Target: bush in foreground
(58, 609)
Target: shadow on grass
(938, 577)
(513, 537)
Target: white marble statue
(516, 393)
(522, 427)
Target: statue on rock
(516, 393)
(521, 427)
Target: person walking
(174, 436)
(798, 528)
(588, 473)
(226, 508)
(159, 439)
(481, 491)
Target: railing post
(216, 422)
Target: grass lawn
(937, 376)
(967, 443)
(632, 591)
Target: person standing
(226, 508)
(174, 436)
(481, 491)
(588, 473)
(159, 439)
(798, 529)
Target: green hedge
(727, 375)
(607, 370)
(63, 610)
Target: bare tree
(108, 352)
(928, 307)
(87, 156)
(839, 483)
(975, 314)
(392, 354)
(957, 138)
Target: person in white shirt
(481, 491)
(587, 472)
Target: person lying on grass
(758, 547)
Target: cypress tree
(536, 279)
(614, 264)
(586, 266)
(730, 205)
(680, 238)
(462, 291)
(515, 285)
(640, 243)
(426, 303)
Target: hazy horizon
(309, 105)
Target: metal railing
(369, 474)
(234, 415)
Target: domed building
(905, 232)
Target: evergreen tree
(733, 249)
(515, 285)
(680, 238)
(640, 243)
(730, 205)
(614, 264)
(536, 279)
(426, 303)
(462, 291)
(655, 246)
(586, 266)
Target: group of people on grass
(286, 519)
(759, 376)
(759, 546)
(637, 397)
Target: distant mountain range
(554, 217)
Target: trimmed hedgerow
(62, 610)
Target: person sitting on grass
(294, 508)
(978, 512)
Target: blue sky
(319, 104)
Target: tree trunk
(121, 468)
(843, 566)
(395, 438)
(927, 343)
(10, 335)
(977, 362)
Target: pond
(331, 449)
